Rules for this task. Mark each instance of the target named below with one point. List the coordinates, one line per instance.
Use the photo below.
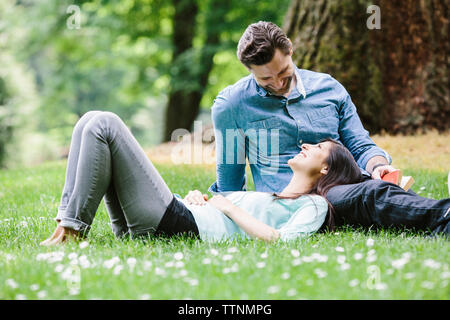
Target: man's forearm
(374, 161)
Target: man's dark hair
(259, 41)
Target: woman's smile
(301, 154)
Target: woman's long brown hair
(342, 169)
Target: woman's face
(312, 159)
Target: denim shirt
(267, 130)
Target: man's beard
(281, 91)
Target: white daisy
(273, 289)
(232, 250)
(59, 268)
(12, 284)
(295, 253)
(117, 270)
(214, 252)
(430, 263)
(353, 283)
(227, 257)
(340, 259)
(178, 256)
(345, 266)
(34, 287)
(131, 262)
(427, 285)
(320, 273)
(296, 262)
(380, 286)
(358, 256)
(72, 255)
(84, 244)
(291, 292)
(285, 276)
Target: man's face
(275, 76)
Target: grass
(348, 264)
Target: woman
(105, 160)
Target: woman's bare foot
(61, 235)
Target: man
(267, 116)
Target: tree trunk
(180, 110)
(192, 68)
(397, 75)
(6, 121)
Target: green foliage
(119, 59)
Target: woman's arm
(253, 227)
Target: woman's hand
(196, 197)
(222, 203)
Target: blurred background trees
(159, 64)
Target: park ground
(346, 264)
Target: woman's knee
(85, 118)
(103, 120)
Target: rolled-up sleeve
(353, 135)
(230, 148)
(306, 220)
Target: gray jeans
(105, 160)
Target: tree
(397, 75)
(191, 66)
(218, 27)
(6, 126)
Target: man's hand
(380, 171)
(196, 197)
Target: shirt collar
(300, 87)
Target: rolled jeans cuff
(61, 213)
(76, 225)
(71, 223)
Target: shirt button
(301, 141)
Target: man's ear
(291, 52)
(324, 170)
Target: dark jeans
(381, 204)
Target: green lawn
(348, 264)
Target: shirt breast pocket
(264, 137)
(324, 123)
